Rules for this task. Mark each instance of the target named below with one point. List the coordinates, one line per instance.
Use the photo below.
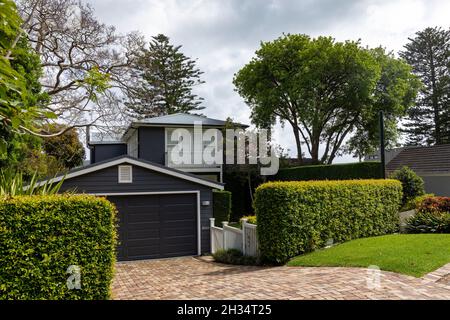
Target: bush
(412, 184)
(298, 217)
(433, 216)
(233, 256)
(221, 206)
(41, 236)
(250, 219)
(415, 202)
(348, 171)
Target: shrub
(347, 171)
(297, 217)
(415, 202)
(250, 219)
(433, 216)
(221, 206)
(412, 184)
(41, 236)
(13, 184)
(234, 256)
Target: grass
(411, 254)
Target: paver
(191, 278)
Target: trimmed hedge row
(42, 236)
(297, 217)
(347, 171)
(221, 206)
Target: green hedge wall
(347, 171)
(41, 236)
(221, 206)
(300, 216)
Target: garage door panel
(156, 226)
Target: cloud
(223, 35)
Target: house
(431, 163)
(163, 207)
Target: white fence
(227, 237)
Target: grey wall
(100, 152)
(439, 185)
(152, 144)
(144, 180)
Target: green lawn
(412, 254)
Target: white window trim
(197, 192)
(120, 168)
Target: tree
(429, 55)
(395, 93)
(322, 88)
(21, 99)
(85, 63)
(66, 148)
(166, 79)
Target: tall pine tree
(429, 55)
(165, 79)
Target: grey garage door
(156, 226)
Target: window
(125, 174)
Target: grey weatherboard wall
(101, 152)
(144, 180)
(151, 142)
(437, 184)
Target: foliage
(221, 206)
(234, 256)
(324, 89)
(21, 99)
(241, 181)
(42, 236)
(412, 184)
(168, 77)
(429, 55)
(433, 216)
(298, 217)
(347, 171)
(66, 148)
(250, 219)
(414, 203)
(414, 255)
(13, 184)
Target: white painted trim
(215, 169)
(119, 175)
(94, 168)
(197, 192)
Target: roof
(179, 119)
(432, 159)
(137, 162)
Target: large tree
(85, 62)
(165, 80)
(324, 89)
(429, 55)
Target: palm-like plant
(13, 184)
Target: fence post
(224, 233)
(211, 238)
(244, 226)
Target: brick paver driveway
(190, 278)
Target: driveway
(193, 278)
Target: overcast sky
(223, 35)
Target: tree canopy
(324, 89)
(166, 78)
(429, 55)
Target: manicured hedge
(300, 216)
(41, 236)
(347, 171)
(221, 206)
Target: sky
(223, 35)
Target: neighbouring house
(431, 163)
(163, 207)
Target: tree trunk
(298, 143)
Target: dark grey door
(156, 226)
